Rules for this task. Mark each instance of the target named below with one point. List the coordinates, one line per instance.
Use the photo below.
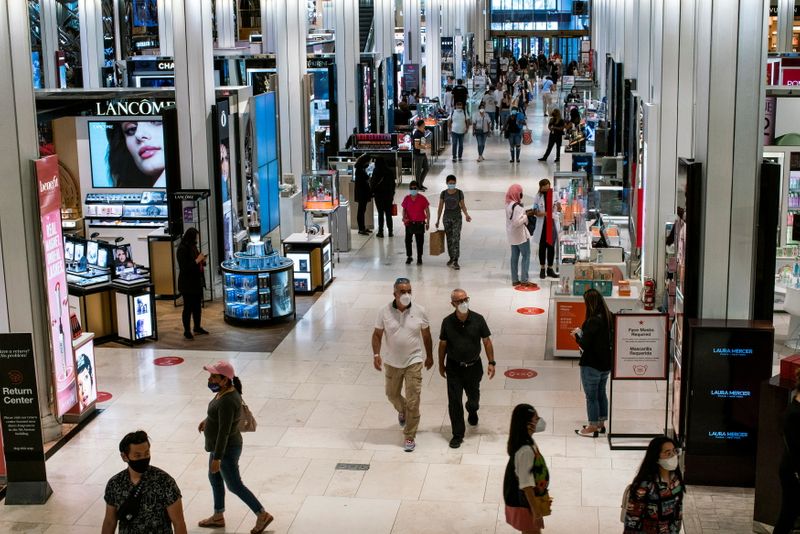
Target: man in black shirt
(460, 342)
(418, 141)
(460, 93)
(142, 498)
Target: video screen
(123, 258)
(127, 154)
(69, 248)
(80, 252)
(104, 254)
(91, 252)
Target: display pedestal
(313, 261)
(161, 249)
(83, 347)
(136, 317)
(96, 310)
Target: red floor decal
(168, 360)
(521, 374)
(529, 310)
(533, 287)
(104, 396)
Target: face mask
(451, 186)
(463, 307)
(405, 299)
(413, 192)
(370, 168)
(213, 386)
(140, 466)
(541, 425)
(482, 111)
(670, 464)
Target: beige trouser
(408, 405)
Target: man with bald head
(460, 340)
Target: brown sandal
(210, 522)
(262, 523)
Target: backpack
(625, 496)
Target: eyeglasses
(671, 453)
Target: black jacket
(460, 94)
(383, 185)
(362, 192)
(595, 343)
(190, 276)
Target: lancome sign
(130, 108)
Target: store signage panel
(569, 315)
(47, 175)
(132, 108)
(640, 346)
(728, 366)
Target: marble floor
(319, 402)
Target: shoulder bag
(247, 422)
(625, 496)
(129, 509)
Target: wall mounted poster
(640, 346)
(56, 283)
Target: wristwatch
(493, 362)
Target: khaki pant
(409, 405)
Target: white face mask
(405, 299)
(670, 464)
(541, 425)
(370, 167)
(463, 307)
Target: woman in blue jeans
(224, 443)
(518, 235)
(594, 338)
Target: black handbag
(531, 224)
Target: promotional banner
(640, 346)
(56, 282)
(22, 429)
(225, 200)
(569, 315)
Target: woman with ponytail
(223, 442)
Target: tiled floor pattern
(319, 401)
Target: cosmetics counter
(258, 285)
(312, 257)
(395, 149)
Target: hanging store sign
(640, 346)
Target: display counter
(568, 311)
(95, 309)
(135, 312)
(313, 261)
(258, 286)
(161, 248)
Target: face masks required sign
(640, 346)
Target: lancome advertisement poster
(57, 296)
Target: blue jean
(594, 386)
(493, 118)
(229, 476)
(504, 118)
(458, 144)
(515, 144)
(524, 250)
(481, 138)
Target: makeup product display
(320, 190)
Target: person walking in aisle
(191, 281)
(451, 201)
(383, 188)
(405, 328)
(498, 100)
(459, 124)
(417, 219)
(655, 497)
(518, 235)
(505, 111)
(546, 233)
(142, 499)
(460, 340)
(419, 142)
(490, 105)
(789, 471)
(460, 93)
(481, 129)
(547, 84)
(513, 132)
(594, 338)
(527, 479)
(364, 167)
(223, 442)
(556, 127)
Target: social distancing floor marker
(166, 361)
(530, 310)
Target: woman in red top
(417, 218)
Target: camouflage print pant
(452, 230)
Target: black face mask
(140, 466)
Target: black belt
(467, 364)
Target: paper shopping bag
(437, 243)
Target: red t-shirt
(415, 207)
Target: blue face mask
(413, 192)
(451, 186)
(213, 386)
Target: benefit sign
(56, 281)
(640, 346)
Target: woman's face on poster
(145, 142)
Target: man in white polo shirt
(406, 330)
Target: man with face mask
(404, 326)
(460, 361)
(143, 499)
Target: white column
(433, 50)
(49, 30)
(166, 27)
(291, 28)
(226, 25)
(413, 52)
(481, 30)
(383, 13)
(785, 25)
(630, 57)
(90, 14)
(348, 55)
(267, 26)
(21, 263)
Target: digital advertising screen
(143, 319)
(267, 163)
(127, 154)
(123, 258)
(86, 375)
(91, 252)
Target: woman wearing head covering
(518, 235)
(191, 281)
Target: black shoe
(551, 273)
(188, 335)
(409, 260)
(542, 159)
(449, 263)
(390, 234)
(517, 160)
(472, 418)
(587, 435)
(419, 261)
(456, 442)
(601, 431)
(456, 266)
(556, 160)
(542, 274)
(380, 235)
(369, 231)
(363, 232)
(459, 158)
(511, 161)
(423, 188)
(454, 160)
(200, 331)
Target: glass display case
(320, 190)
(127, 210)
(258, 285)
(312, 256)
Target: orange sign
(569, 315)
